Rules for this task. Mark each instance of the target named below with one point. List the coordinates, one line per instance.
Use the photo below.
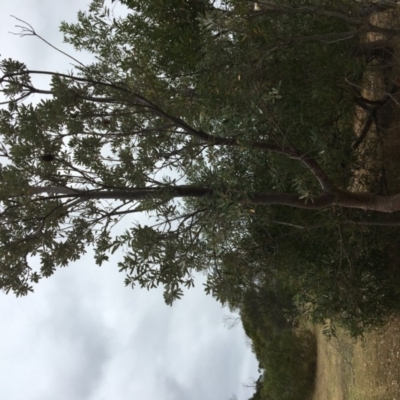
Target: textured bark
(334, 197)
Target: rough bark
(333, 197)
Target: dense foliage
(230, 127)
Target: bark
(334, 197)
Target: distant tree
(194, 115)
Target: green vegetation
(231, 128)
(287, 355)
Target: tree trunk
(333, 197)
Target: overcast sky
(82, 335)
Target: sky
(83, 335)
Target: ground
(368, 368)
(364, 369)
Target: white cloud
(82, 334)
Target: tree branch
(289, 151)
(334, 197)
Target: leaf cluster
(201, 101)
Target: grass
(363, 369)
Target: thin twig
(30, 31)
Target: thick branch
(307, 160)
(55, 190)
(335, 197)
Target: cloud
(82, 334)
(173, 389)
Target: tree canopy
(229, 126)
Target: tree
(194, 136)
